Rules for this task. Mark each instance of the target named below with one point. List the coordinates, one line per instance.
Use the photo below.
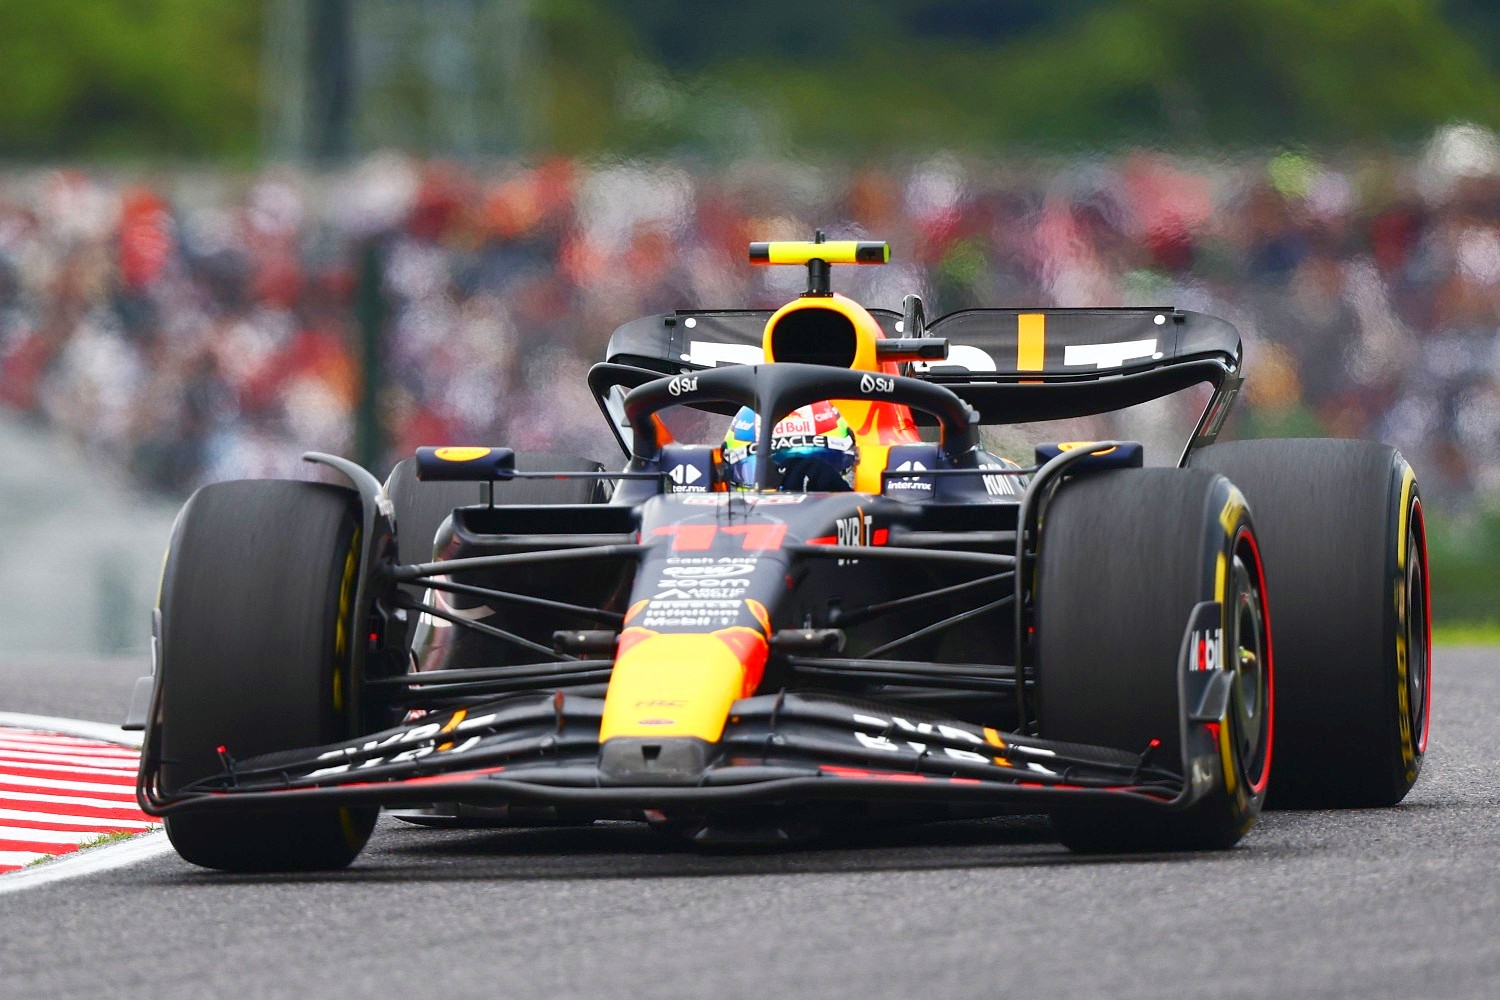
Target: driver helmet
(812, 450)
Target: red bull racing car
(848, 608)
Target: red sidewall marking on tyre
(1259, 787)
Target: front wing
(543, 749)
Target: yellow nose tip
(676, 685)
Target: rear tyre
(1124, 558)
(1345, 546)
(256, 626)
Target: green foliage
(105, 839)
(164, 77)
(1464, 556)
(1293, 420)
(1179, 71)
(842, 78)
(1466, 634)
(1479, 19)
(590, 52)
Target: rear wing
(1011, 365)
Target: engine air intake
(814, 337)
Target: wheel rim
(1418, 653)
(1248, 650)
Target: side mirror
(465, 464)
(912, 349)
(913, 317)
(1121, 455)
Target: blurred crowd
(199, 326)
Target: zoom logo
(682, 384)
(710, 571)
(874, 383)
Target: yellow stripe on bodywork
(993, 739)
(673, 685)
(868, 472)
(1031, 342)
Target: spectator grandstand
(196, 326)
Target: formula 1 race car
(739, 658)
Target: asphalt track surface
(1401, 903)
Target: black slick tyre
(1124, 558)
(257, 619)
(1345, 547)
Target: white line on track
(88, 862)
(91, 861)
(72, 727)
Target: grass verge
(1466, 634)
(102, 840)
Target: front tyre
(1124, 558)
(257, 622)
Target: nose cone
(680, 684)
